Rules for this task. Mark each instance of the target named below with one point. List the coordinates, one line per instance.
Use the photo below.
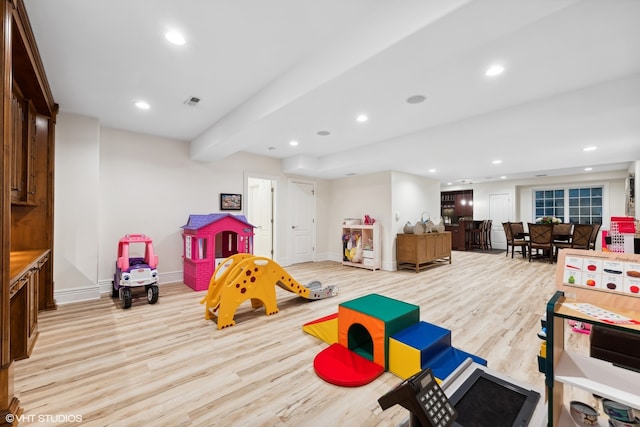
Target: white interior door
(260, 213)
(302, 221)
(499, 212)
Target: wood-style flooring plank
(165, 365)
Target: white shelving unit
(368, 254)
(566, 370)
(599, 377)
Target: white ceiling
(269, 71)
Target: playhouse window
(187, 247)
(202, 248)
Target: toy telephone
(424, 398)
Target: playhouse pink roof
(196, 222)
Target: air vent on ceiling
(192, 101)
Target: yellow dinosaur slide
(244, 276)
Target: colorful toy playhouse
(210, 239)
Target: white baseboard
(322, 257)
(172, 277)
(67, 296)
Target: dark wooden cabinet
(24, 286)
(418, 251)
(460, 234)
(456, 204)
(26, 179)
(458, 241)
(23, 141)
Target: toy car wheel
(114, 291)
(152, 294)
(126, 298)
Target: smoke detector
(192, 101)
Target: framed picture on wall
(230, 202)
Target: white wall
(612, 203)
(111, 182)
(381, 196)
(412, 196)
(355, 196)
(77, 162)
(521, 194)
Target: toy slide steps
(341, 366)
(244, 277)
(373, 334)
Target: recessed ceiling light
(588, 169)
(497, 162)
(432, 170)
(143, 105)
(293, 143)
(175, 38)
(323, 132)
(590, 148)
(449, 183)
(362, 118)
(416, 99)
(494, 70)
(503, 177)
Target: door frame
(274, 206)
(291, 181)
(497, 229)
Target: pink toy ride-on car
(135, 272)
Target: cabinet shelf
(599, 377)
(569, 370)
(368, 254)
(456, 203)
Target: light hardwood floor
(165, 365)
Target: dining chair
(562, 232)
(541, 239)
(512, 240)
(594, 236)
(580, 238)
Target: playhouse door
(302, 220)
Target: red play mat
(341, 366)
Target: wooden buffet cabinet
(418, 251)
(26, 221)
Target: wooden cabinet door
(17, 147)
(429, 247)
(32, 301)
(406, 248)
(30, 153)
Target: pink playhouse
(208, 240)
